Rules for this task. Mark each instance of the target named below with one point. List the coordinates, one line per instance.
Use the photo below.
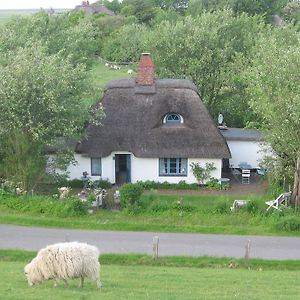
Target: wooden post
(296, 189)
(67, 238)
(247, 251)
(155, 246)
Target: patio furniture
(238, 204)
(282, 199)
(245, 176)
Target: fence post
(247, 251)
(155, 246)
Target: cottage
(246, 146)
(153, 130)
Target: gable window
(173, 119)
(95, 166)
(172, 167)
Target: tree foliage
(72, 35)
(210, 50)
(274, 91)
(41, 97)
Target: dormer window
(173, 118)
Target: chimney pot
(145, 67)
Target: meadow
(157, 282)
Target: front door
(123, 168)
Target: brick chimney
(145, 67)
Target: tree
(143, 10)
(73, 35)
(274, 91)
(211, 50)
(41, 98)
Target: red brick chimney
(145, 67)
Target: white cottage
(153, 130)
(246, 147)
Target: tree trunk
(296, 190)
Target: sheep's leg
(56, 281)
(66, 283)
(81, 281)
(98, 282)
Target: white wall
(141, 169)
(245, 151)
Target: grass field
(152, 282)
(204, 219)
(7, 14)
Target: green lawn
(152, 282)
(207, 215)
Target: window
(172, 167)
(96, 166)
(173, 119)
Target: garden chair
(282, 199)
(245, 176)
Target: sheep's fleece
(64, 261)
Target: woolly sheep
(129, 72)
(64, 261)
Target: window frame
(165, 166)
(100, 166)
(168, 121)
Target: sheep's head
(31, 275)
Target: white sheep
(129, 72)
(64, 261)
(106, 64)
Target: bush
(288, 223)
(252, 207)
(222, 207)
(130, 194)
(103, 184)
(181, 185)
(158, 206)
(72, 206)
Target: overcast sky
(20, 4)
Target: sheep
(129, 72)
(106, 64)
(64, 261)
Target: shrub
(252, 207)
(103, 184)
(75, 207)
(222, 207)
(130, 194)
(202, 173)
(288, 223)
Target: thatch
(134, 123)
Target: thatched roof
(134, 122)
(95, 8)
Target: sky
(21, 4)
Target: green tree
(211, 50)
(71, 34)
(143, 10)
(274, 91)
(41, 97)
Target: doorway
(123, 168)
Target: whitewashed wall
(141, 169)
(245, 151)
